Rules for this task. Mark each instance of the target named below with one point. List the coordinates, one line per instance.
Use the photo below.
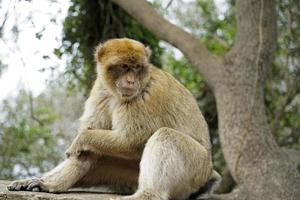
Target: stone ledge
(24, 195)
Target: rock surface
(24, 195)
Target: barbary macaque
(141, 130)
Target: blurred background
(47, 69)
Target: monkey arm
(106, 142)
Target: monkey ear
(99, 52)
(148, 52)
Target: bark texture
(196, 52)
(261, 169)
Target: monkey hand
(77, 148)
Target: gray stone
(24, 195)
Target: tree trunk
(252, 155)
(259, 167)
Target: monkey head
(123, 65)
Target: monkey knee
(162, 134)
(163, 141)
(165, 130)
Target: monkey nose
(130, 82)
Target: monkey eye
(138, 67)
(124, 66)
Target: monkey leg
(60, 179)
(173, 166)
(121, 175)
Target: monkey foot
(34, 184)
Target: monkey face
(124, 65)
(127, 79)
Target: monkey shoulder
(164, 102)
(171, 91)
(179, 108)
(97, 114)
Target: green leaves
(282, 88)
(91, 22)
(24, 143)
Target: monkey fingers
(34, 184)
(73, 153)
(18, 185)
(76, 149)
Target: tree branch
(168, 5)
(40, 122)
(256, 29)
(196, 52)
(5, 18)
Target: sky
(24, 56)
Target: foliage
(27, 143)
(282, 92)
(283, 89)
(90, 22)
(218, 29)
(35, 131)
(2, 67)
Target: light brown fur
(159, 127)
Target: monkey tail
(208, 188)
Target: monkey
(141, 133)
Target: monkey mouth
(127, 93)
(128, 96)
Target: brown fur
(160, 127)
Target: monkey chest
(137, 120)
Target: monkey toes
(35, 185)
